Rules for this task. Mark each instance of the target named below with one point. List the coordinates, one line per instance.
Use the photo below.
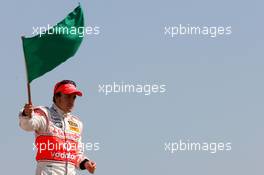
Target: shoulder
(41, 110)
(74, 117)
(76, 120)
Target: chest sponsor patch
(75, 129)
(58, 124)
(73, 124)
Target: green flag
(53, 46)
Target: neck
(61, 110)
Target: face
(66, 102)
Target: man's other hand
(90, 166)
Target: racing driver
(57, 133)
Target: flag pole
(28, 83)
(29, 93)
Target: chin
(70, 110)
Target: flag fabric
(48, 49)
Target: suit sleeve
(38, 121)
(81, 157)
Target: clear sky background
(214, 85)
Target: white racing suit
(57, 139)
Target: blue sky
(214, 85)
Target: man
(57, 133)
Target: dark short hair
(59, 84)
